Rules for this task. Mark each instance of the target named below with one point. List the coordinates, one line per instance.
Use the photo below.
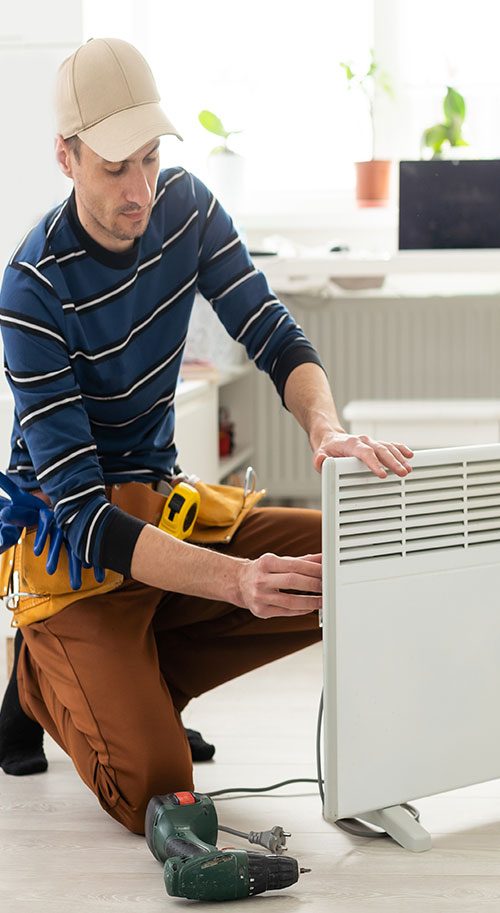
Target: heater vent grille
(453, 505)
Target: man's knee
(126, 798)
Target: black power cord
(260, 789)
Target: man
(95, 307)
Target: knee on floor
(137, 786)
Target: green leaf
(454, 106)
(455, 131)
(212, 123)
(348, 72)
(435, 136)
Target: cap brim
(121, 134)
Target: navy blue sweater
(93, 342)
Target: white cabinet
(197, 405)
(236, 396)
(423, 424)
(196, 429)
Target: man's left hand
(378, 455)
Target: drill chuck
(228, 875)
(270, 873)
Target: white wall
(34, 39)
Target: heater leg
(401, 826)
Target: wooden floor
(60, 853)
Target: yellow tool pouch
(32, 594)
(222, 510)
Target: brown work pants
(108, 676)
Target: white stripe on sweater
(79, 495)
(175, 177)
(80, 353)
(69, 456)
(141, 381)
(35, 377)
(56, 219)
(280, 321)
(235, 285)
(6, 318)
(106, 506)
(255, 317)
(143, 266)
(226, 247)
(36, 272)
(163, 399)
(70, 256)
(53, 405)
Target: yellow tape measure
(180, 511)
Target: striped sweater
(93, 342)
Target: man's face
(114, 199)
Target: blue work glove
(25, 509)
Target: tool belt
(222, 508)
(34, 595)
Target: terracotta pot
(373, 182)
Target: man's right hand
(265, 584)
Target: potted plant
(450, 131)
(373, 176)
(224, 165)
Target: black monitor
(449, 204)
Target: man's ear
(63, 156)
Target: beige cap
(106, 94)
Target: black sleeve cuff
(120, 533)
(292, 357)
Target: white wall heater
(411, 624)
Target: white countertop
(453, 271)
(423, 410)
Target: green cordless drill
(181, 831)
